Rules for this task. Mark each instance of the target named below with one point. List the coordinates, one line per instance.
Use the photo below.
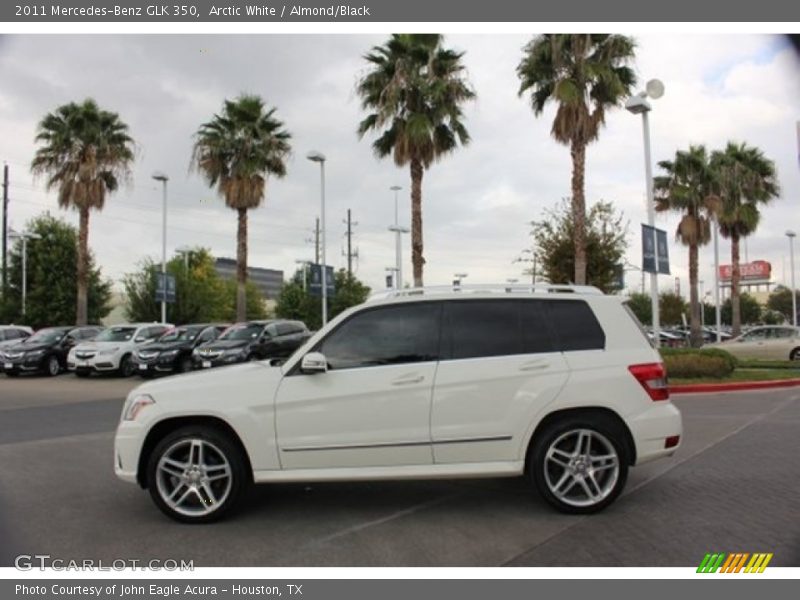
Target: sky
(477, 202)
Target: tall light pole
(790, 234)
(304, 264)
(398, 242)
(159, 176)
(638, 105)
(717, 307)
(184, 251)
(319, 157)
(24, 236)
(702, 306)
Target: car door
(499, 367)
(372, 407)
(750, 344)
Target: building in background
(269, 281)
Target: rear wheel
(52, 366)
(795, 354)
(196, 474)
(580, 464)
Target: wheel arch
(588, 411)
(167, 426)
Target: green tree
(584, 75)
(201, 294)
(642, 307)
(688, 188)
(413, 92)
(296, 301)
(750, 310)
(236, 151)
(84, 152)
(605, 244)
(51, 278)
(671, 307)
(780, 300)
(748, 180)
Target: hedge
(684, 363)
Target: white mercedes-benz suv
(556, 383)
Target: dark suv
(45, 351)
(172, 352)
(252, 340)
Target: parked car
(779, 342)
(558, 384)
(252, 340)
(13, 334)
(112, 350)
(45, 351)
(172, 352)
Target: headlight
(196, 352)
(134, 406)
(107, 351)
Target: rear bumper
(651, 428)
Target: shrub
(688, 363)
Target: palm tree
(84, 152)
(235, 152)
(585, 75)
(747, 180)
(689, 188)
(413, 92)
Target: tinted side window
(483, 328)
(575, 326)
(536, 334)
(385, 336)
(284, 328)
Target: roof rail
(498, 288)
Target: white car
(13, 334)
(112, 350)
(556, 383)
(779, 342)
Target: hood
(161, 346)
(226, 344)
(102, 345)
(23, 347)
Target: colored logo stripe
(734, 562)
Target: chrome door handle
(408, 380)
(534, 366)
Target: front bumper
(94, 364)
(201, 362)
(652, 428)
(154, 366)
(23, 364)
(127, 447)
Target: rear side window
(388, 335)
(480, 328)
(284, 328)
(575, 326)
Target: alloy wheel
(581, 468)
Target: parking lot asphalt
(731, 487)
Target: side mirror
(314, 362)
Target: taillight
(653, 378)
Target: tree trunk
(736, 314)
(578, 152)
(82, 308)
(241, 266)
(417, 259)
(695, 336)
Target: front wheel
(579, 464)
(52, 366)
(795, 354)
(126, 366)
(196, 475)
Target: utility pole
(315, 241)
(350, 254)
(5, 230)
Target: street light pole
(319, 157)
(791, 234)
(398, 241)
(159, 176)
(717, 307)
(638, 104)
(24, 236)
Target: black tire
(215, 441)
(795, 354)
(51, 366)
(126, 366)
(185, 364)
(545, 472)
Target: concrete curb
(700, 388)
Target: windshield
(46, 336)
(116, 334)
(181, 334)
(242, 332)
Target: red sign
(758, 269)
